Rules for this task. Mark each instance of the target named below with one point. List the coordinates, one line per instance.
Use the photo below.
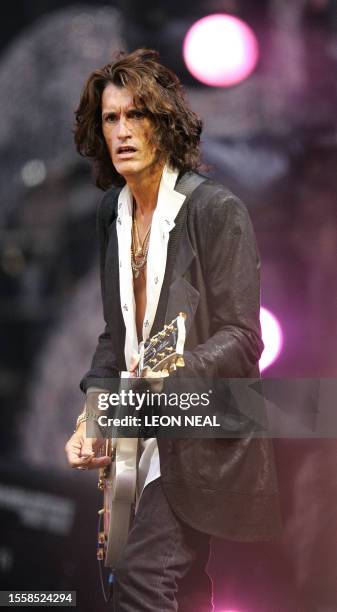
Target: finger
(134, 362)
(75, 455)
(87, 450)
(76, 461)
(98, 462)
(90, 463)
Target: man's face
(127, 132)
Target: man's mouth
(125, 150)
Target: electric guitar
(162, 352)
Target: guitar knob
(180, 362)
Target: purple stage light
(272, 338)
(220, 50)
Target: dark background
(271, 139)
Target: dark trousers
(163, 564)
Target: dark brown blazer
(224, 487)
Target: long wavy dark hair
(156, 89)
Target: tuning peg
(173, 368)
(100, 554)
(161, 355)
(169, 349)
(153, 360)
(101, 537)
(180, 362)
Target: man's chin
(127, 167)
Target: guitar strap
(188, 182)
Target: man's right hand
(82, 452)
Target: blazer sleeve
(233, 295)
(103, 363)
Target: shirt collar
(169, 201)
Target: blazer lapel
(182, 296)
(185, 254)
(177, 294)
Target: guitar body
(163, 352)
(118, 482)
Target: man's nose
(123, 128)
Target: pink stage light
(220, 50)
(272, 337)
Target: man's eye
(111, 118)
(137, 114)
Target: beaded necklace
(139, 249)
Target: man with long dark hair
(172, 240)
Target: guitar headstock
(165, 350)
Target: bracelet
(83, 417)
